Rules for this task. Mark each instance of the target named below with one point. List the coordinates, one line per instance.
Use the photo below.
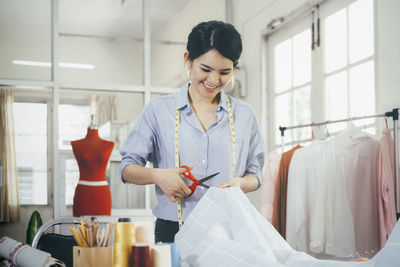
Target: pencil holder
(94, 256)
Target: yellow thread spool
(124, 239)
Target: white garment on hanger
(331, 224)
(302, 180)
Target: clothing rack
(395, 116)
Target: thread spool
(175, 255)
(140, 256)
(124, 239)
(144, 232)
(160, 256)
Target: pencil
(76, 236)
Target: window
(30, 122)
(334, 81)
(74, 118)
(349, 63)
(291, 84)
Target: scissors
(196, 182)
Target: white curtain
(105, 109)
(9, 202)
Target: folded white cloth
(19, 254)
(224, 229)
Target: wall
(17, 231)
(388, 53)
(167, 62)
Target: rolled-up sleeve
(256, 155)
(140, 142)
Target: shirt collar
(183, 100)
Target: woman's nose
(213, 77)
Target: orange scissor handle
(189, 175)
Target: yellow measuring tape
(232, 128)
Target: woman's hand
(171, 183)
(236, 181)
(247, 183)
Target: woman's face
(209, 73)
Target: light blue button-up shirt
(152, 139)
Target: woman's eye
(205, 70)
(224, 73)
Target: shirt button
(204, 161)
(204, 135)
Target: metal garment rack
(394, 114)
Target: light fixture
(275, 23)
(48, 64)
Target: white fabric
(92, 183)
(224, 229)
(25, 256)
(331, 222)
(302, 180)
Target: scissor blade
(201, 181)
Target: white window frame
(318, 111)
(20, 98)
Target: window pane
(362, 91)
(71, 180)
(283, 66)
(73, 122)
(335, 41)
(302, 112)
(283, 116)
(115, 115)
(25, 34)
(302, 58)
(361, 30)
(336, 100)
(30, 122)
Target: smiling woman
(213, 132)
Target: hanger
(319, 132)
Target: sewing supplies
(196, 182)
(90, 234)
(124, 239)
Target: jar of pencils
(93, 244)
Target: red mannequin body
(92, 154)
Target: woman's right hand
(171, 183)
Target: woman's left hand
(235, 181)
(247, 183)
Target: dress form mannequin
(92, 194)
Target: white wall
(252, 19)
(167, 62)
(388, 52)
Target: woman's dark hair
(217, 35)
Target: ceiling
(111, 18)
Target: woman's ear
(187, 59)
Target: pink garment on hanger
(386, 188)
(271, 169)
(360, 158)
